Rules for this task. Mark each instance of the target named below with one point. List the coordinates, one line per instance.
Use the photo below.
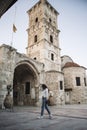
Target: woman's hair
(44, 86)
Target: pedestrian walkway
(65, 117)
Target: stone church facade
(42, 63)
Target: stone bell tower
(43, 43)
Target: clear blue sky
(72, 22)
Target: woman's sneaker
(50, 117)
(40, 117)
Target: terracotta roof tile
(71, 64)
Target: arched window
(50, 20)
(78, 81)
(35, 38)
(36, 20)
(27, 88)
(52, 56)
(85, 81)
(61, 85)
(51, 38)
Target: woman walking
(44, 102)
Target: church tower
(43, 43)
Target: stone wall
(9, 61)
(77, 92)
(53, 79)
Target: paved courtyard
(65, 117)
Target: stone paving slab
(25, 118)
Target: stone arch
(25, 84)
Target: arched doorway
(25, 80)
